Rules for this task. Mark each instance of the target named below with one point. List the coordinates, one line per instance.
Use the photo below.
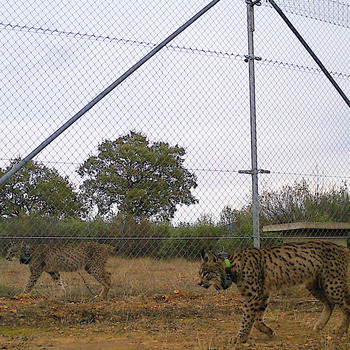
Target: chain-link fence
(153, 169)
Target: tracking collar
(25, 257)
(228, 274)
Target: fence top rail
(123, 238)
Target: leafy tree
(228, 218)
(37, 189)
(138, 178)
(205, 219)
(187, 240)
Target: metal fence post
(250, 58)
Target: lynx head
(211, 272)
(15, 250)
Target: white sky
(194, 93)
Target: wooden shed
(337, 232)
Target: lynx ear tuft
(208, 256)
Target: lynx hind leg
(317, 291)
(342, 294)
(333, 291)
(344, 325)
(259, 322)
(103, 277)
(56, 277)
(106, 282)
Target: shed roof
(308, 226)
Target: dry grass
(152, 305)
(130, 277)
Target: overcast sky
(58, 55)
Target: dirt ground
(177, 321)
(152, 305)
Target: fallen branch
(307, 301)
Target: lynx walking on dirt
(321, 266)
(52, 259)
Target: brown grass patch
(130, 277)
(152, 305)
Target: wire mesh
(153, 169)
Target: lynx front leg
(259, 322)
(250, 310)
(33, 278)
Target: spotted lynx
(321, 266)
(52, 259)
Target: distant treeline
(131, 239)
(136, 237)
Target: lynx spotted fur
(321, 266)
(52, 259)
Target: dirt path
(177, 322)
